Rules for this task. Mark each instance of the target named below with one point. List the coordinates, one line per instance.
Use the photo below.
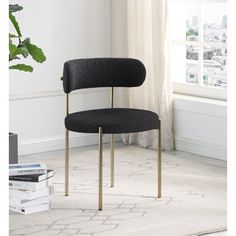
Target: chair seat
(112, 120)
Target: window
(199, 52)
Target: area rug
(194, 195)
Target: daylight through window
(199, 32)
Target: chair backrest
(102, 72)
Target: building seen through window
(201, 31)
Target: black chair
(107, 72)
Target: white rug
(193, 202)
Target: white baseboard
(201, 148)
(58, 143)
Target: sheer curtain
(147, 39)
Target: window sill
(212, 107)
(200, 91)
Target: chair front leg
(112, 160)
(66, 162)
(100, 170)
(159, 163)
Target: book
(30, 209)
(18, 202)
(33, 177)
(27, 169)
(29, 195)
(31, 186)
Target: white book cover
(27, 169)
(18, 202)
(29, 195)
(30, 209)
(31, 186)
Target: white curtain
(148, 40)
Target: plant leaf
(12, 51)
(22, 67)
(13, 36)
(15, 8)
(25, 41)
(15, 24)
(23, 51)
(36, 52)
(20, 50)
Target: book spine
(22, 186)
(31, 186)
(29, 178)
(15, 209)
(25, 171)
(29, 195)
(26, 165)
(32, 178)
(30, 210)
(17, 202)
(38, 201)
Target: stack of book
(30, 186)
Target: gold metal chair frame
(112, 148)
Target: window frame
(199, 89)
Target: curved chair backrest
(102, 72)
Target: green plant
(191, 32)
(21, 47)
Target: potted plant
(19, 48)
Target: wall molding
(201, 148)
(55, 93)
(202, 106)
(58, 143)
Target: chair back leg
(112, 160)
(159, 162)
(66, 162)
(100, 170)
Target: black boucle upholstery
(113, 120)
(102, 72)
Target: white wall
(65, 30)
(118, 28)
(200, 126)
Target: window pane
(214, 22)
(192, 22)
(215, 67)
(192, 53)
(185, 21)
(185, 64)
(192, 76)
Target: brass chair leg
(66, 162)
(112, 160)
(100, 171)
(159, 163)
